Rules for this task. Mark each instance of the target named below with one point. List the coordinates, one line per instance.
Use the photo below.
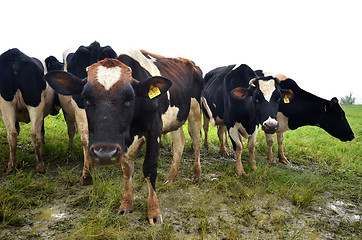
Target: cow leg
(226, 138)
(206, 131)
(150, 174)
(251, 147)
(127, 200)
(220, 133)
(12, 128)
(69, 115)
(71, 127)
(178, 143)
(270, 141)
(194, 128)
(36, 118)
(237, 142)
(128, 169)
(82, 125)
(281, 156)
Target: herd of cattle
(119, 102)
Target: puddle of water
(279, 213)
(345, 210)
(51, 214)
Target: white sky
(318, 43)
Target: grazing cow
(240, 101)
(25, 97)
(306, 109)
(76, 63)
(182, 102)
(119, 111)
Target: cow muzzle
(270, 126)
(105, 154)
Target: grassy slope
(273, 202)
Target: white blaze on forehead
(267, 88)
(108, 76)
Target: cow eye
(89, 103)
(127, 103)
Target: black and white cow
(76, 63)
(306, 109)
(240, 101)
(119, 109)
(182, 102)
(25, 97)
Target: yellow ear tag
(154, 92)
(286, 99)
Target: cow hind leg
(206, 131)
(178, 143)
(194, 128)
(281, 156)
(251, 148)
(36, 118)
(220, 133)
(12, 133)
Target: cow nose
(105, 154)
(270, 126)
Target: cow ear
(153, 87)
(64, 83)
(287, 95)
(240, 93)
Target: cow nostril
(105, 153)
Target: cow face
(265, 94)
(109, 94)
(334, 121)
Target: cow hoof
(169, 182)
(86, 180)
(40, 168)
(284, 161)
(158, 220)
(224, 153)
(124, 212)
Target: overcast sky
(318, 43)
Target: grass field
(317, 197)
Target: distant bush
(349, 99)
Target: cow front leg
(178, 143)
(281, 156)
(154, 213)
(128, 199)
(194, 128)
(270, 141)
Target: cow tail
(206, 106)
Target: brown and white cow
(119, 110)
(182, 102)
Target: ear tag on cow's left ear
(153, 92)
(286, 99)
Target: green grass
(274, 202)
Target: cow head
(333, 120)
(264, 94)
(109, 93)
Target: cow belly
(169, 120)
(283, 123)
(237, 129)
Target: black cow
(25, 97)
(240, 101)
(306, 109)
(119, 110)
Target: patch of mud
(43, 223)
